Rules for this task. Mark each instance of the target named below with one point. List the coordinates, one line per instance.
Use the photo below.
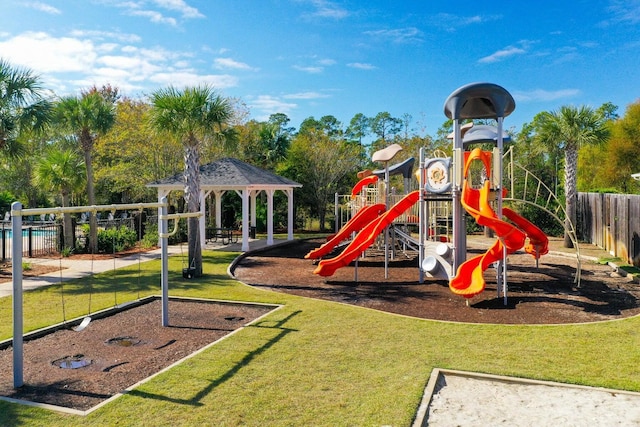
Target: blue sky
(343, 57)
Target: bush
(116, 239)
(151, 236)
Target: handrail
(542, 192)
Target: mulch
(546, 294)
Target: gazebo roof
(229, 174)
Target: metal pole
(386, 230)
(421, 216)
(164, 275)
(16, 270)
(499, 206)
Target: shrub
(151, 237)
(116, 239)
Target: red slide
(469, 280)
(371, 179)
(363, 217)
(366, 236)
(538, 244)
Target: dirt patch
(34, 270)
(543, 295)
(115, 352)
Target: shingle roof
(230, 173)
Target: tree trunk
(67, 224)
(570, 191)
(91, 196)
(192, 199)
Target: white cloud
(102, 35)
(186, 78)
(43, 7)
(521, 48)
(270, 105)
(451, 22)
(180, 6)
(68, 64)
(226, 63)
(326, 9)
(541, 95)
(154, 16)
(362, 66)
(306, 95)
(398, 35)
(44, 53)
(310, 70)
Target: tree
(131, 155)
(568, 129)
(61, 170)
(319, 164)
(22, 107)
(87, 116)
(195, 115)
(385, 127)
(623, 151)
(359, 127)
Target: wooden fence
(611, 221)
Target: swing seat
(189, 273)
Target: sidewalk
(74, 269)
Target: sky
(311, 58)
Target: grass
(321, 363)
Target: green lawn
(321, 363)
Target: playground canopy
(247, 181)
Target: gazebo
(247, 181)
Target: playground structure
(449, 188)
(17, 213)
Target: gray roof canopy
(229, 174)
(479, 101)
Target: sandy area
(464, 399)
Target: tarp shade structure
(247, 181)
(479, 101)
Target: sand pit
(454, 398)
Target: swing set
(17, 213)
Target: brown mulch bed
(120, 350)
(543, 295)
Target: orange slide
(469, 280)
(364, 182)
(366, 236)
(363, 217)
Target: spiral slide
(363, 217)
(366, 236)
(469, 280)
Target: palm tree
(567, 130)
(22, 107)
(88, 117)
(61, 170)
(195, 116)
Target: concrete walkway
(77, 268)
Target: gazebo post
(290, 214)
(218, 196)
(245, 219)
(270, 216)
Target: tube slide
(366, 236)
(538, 244)
(469, 280)
(356, 223)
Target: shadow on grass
(246, 360)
